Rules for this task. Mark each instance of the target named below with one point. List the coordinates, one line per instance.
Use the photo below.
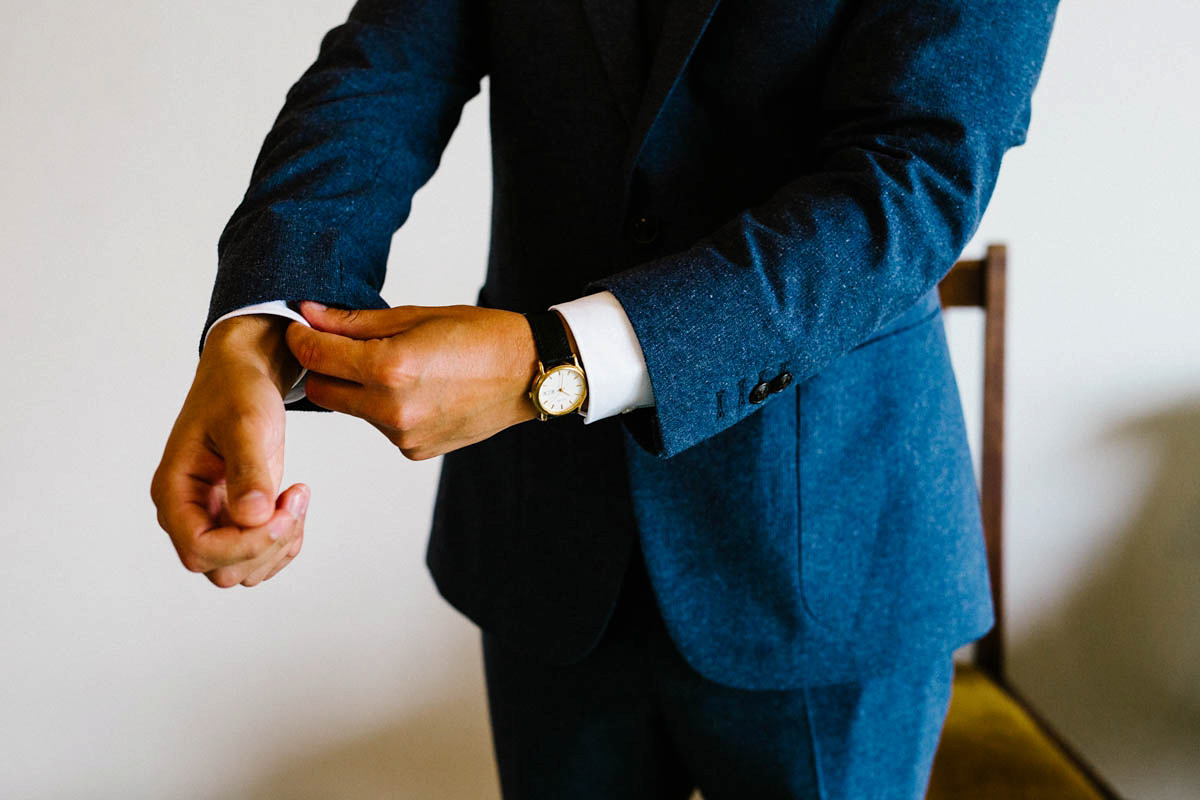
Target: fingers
(190, 504)
(329, 353)
(384, 408)
(360, 324)
(186, 520)
(266, 567)
(295, 501)
(228, 577)
(279, 565)
(230, 545)
(336, 394)
(257, 560)
(275, 565)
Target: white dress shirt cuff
(280, 309)
(612, 358)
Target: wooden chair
(994, 744)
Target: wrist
(257, 341)
(524, 365)
(560, 387)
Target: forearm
(360, 132)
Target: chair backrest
(981, 284)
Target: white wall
(127, 131)
(1103, 494)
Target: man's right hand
(216, 486)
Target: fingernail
(315, 306)
(297, 504)
(253, 502)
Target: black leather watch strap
(550, 339)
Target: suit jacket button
(645, 229)
(780, 382)
(760, 392)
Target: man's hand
(431, 380)
(216, 486)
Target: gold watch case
(573, 403)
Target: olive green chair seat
(993, 747)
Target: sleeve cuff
(618, 380)
(280, 309)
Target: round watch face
(561, 390)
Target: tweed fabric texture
(811, 170)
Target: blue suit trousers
(632, 720)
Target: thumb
(358, 323)
(249, 486)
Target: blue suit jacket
(810, 170)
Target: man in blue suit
(744, 564)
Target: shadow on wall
(1117, 666)
(441, 750)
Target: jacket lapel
(614, 26)
(683, 26)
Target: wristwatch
(560, 386)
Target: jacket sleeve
(922, 99)
(360, 132)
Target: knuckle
(251, 426)
(421, 452)
(398, 420)
(307, 352)
(254, 551)
(242, 475)
(247, 425)
(391, 373)
(277, 569)
(415, 448)
(384, 364)
(191, 562)
(223, 579)
(410, 419)
(163, 522)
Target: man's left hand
(431, 380)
